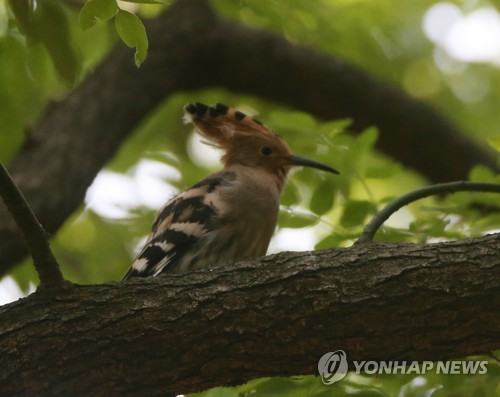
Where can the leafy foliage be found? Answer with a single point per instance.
(47, 49)
(46, 23)
(133, 34)
(363, 385)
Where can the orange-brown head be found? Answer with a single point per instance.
(245, 140)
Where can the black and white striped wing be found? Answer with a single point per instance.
(179, 228)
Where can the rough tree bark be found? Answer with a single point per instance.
(275, 316)
(190, 48)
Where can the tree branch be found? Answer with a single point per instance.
(79, 135)
(34, 235)
(272, 317)
(441, 188)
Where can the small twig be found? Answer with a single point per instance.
(34, 235)
(439, 188)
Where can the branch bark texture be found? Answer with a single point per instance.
(277, 316)
(34, 235)
(192, 48)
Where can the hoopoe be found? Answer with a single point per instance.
(230, 215)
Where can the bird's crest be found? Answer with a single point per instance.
(220, 124)
(245, 140)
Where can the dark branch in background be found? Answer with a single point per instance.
(190, 49)
(271, 317)
(411, 131)
(442, 188)
(36, 239)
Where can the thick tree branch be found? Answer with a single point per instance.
(276, 316)
(191, 48)
(36, 239)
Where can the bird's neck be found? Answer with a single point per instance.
(260, 177)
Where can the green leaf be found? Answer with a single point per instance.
(53, 27)
(38, 65)
(332, 240)
(296, 219)
(96, 10)
(323, 197)
(481, 173)
(133, 34)
(332, 128)
(368, 138)
(382, 171)
(291, 195)
(429, 227)
(355, 212)
(24, 12)
(25, 275)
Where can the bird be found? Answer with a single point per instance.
(228, 216)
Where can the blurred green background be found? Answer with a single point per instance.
(444, 53)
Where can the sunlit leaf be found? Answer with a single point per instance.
(494, 142)
(133, 34)
(96, 10)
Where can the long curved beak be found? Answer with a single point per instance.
(296, 160)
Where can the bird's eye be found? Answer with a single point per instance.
(265, 150)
